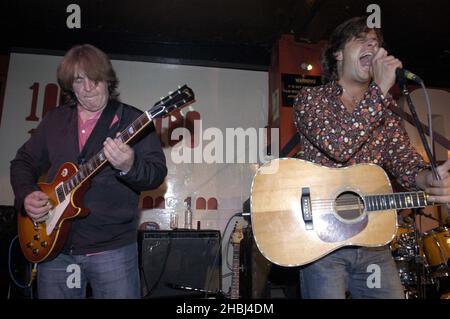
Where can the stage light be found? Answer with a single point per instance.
(306, 66)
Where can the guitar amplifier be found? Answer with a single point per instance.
(180, 263)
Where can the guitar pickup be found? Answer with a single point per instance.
(306, 208)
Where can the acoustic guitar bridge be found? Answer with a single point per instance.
(306, 208)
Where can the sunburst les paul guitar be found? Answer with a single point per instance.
(302, 211)
(44, 240)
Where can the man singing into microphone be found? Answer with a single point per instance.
(348, 121)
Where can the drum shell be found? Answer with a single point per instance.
(436, 245)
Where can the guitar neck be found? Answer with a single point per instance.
(180, 98)
(395, 201)
(89, 168)
(235, 278)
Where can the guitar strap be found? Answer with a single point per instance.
(92, 146)
(100, 132)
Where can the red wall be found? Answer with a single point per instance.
(287, 58)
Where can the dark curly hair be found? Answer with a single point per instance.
(94, 62)
(339, 37)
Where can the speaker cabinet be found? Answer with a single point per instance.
(180, 263)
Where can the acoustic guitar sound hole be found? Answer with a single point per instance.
(349, 207)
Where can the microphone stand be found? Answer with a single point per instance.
(403, 87)
(219, 294)
(422, 213)
(419, 261)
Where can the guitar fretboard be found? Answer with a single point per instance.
(164, 106)
(235, 279)
(97, 161)
(395, 201)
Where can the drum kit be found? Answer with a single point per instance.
(423, 261)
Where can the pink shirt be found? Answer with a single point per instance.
(84, 131)
(85, 128)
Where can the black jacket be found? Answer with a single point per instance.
(112, 199)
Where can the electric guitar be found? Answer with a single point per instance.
(301, 211)
(236, 242)
(44, 239)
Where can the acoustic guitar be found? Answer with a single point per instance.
(301, 211)
(44, 239)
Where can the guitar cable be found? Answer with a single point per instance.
(33, 271)
(239, 214)
(220, 251)
(161, 273)
(430, 134)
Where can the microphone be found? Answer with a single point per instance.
(405, 74)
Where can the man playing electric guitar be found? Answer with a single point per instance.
(347, 121)
(101, 247)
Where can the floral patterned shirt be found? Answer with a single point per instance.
(332, 136)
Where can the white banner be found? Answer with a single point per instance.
(229, 112)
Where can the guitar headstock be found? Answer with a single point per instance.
(178, 99)
(238, 233)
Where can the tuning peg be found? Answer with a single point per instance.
(161, 98)
(170, 92)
